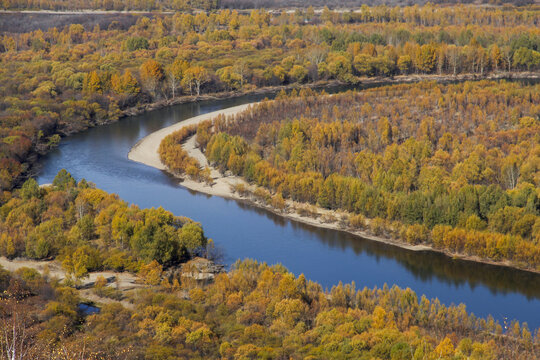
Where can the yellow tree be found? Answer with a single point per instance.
(495, 56)
(130, 85)
(404, 64)
(151, 75)
(196, 76)
(92, 83)
(229, 77)
(175, 73)
(116, 84)
(426, 58)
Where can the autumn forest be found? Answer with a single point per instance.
(416, 125)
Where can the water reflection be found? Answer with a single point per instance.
(424, 265)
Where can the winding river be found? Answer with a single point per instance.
(242, 231)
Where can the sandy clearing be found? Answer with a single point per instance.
(146, 150)
(124, 280)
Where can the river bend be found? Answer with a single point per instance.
(242, 231)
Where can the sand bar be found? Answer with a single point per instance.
(146, 150)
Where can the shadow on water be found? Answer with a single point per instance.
(424, 265)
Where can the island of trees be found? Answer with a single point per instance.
(453, 166)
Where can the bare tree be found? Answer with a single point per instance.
(17, 340)
(316, 54)
(174, 82)
(241, 68)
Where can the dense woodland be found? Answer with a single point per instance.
(88, 230)
(23, 22)
(59, 81)
(110, 5)
(347, 5)
(455, 166)
(252, 312)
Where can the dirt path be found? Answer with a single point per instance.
(85, 12)
(123, 281)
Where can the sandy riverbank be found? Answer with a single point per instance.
(146, 152)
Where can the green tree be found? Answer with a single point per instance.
(136, 43)
(30, 189)
(63, 180)
(526, 58)
(192, 236)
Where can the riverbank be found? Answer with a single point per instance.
(144, 148)
(146, 152)
(328, 84)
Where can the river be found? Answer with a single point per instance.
(241, 231)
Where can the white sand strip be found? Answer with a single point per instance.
(146, 150)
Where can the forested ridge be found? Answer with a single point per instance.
(59, 81)
(454, 166)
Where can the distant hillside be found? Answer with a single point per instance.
(208, 5)
(109, 5)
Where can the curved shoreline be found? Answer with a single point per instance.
(145, 151)
(321, 85)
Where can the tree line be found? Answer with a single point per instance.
(110, 5)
